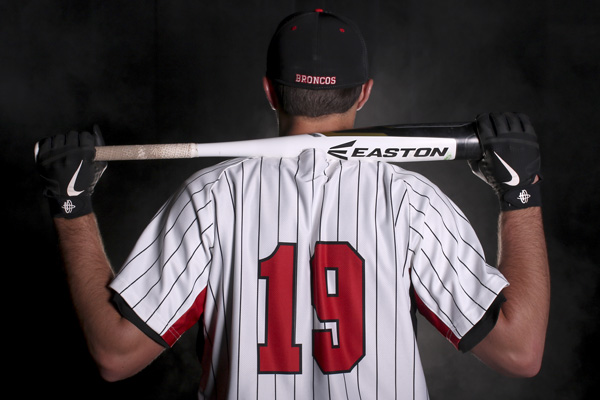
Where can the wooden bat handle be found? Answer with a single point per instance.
(146, 152)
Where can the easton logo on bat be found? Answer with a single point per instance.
(346, 150)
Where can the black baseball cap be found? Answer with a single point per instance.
(317, 50)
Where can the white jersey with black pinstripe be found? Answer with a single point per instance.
(306, 271)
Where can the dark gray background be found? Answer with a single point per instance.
(159, 71)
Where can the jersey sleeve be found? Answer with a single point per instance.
(162, 285)
(454, 287)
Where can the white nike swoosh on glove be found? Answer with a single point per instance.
(514, 177)
(71, 188)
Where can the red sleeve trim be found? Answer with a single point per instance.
(436, 322)
(186, 321)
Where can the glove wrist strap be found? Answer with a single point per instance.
(70, 207)
(522, 197)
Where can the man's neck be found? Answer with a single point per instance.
(289, 125)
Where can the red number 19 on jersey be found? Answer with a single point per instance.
(337, 278)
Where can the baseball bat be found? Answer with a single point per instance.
(392, 143)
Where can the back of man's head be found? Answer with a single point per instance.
(317, 62)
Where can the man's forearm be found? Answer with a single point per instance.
(118, 347)
(515, 346)
(88, 272)
(523, 260)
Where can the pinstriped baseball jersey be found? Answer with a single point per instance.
(306, 272)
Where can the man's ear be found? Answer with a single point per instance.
(365, 94)
(270, 93)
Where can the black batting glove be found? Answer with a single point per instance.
(67, 168)
(511, 159)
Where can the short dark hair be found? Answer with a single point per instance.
(316, 103)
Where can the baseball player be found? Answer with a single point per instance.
(307, 272)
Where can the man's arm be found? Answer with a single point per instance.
(119, 348)
(516, 344)
(69, 173)
(511, 166)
